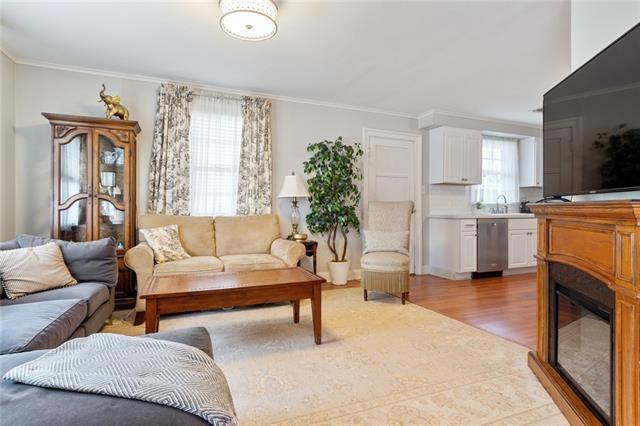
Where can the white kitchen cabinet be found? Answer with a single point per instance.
(523, 238)
(468, 252)
(455, 156)
(453, 247)
(530, 155)
(518, 248)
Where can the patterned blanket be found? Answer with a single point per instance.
(150, 370)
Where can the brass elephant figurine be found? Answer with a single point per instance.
(113, 105)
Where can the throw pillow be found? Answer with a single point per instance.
(165, 243)
(395, 241)
(89, 261)
(33, 269)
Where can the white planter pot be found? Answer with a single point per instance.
(339, 272)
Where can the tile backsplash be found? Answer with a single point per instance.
(446, 199)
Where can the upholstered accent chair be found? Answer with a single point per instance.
(385, 261)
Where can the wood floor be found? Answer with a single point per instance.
(505, 306)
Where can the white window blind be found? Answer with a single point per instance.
(499, 170)
(214, 136)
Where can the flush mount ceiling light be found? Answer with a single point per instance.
(251, 20)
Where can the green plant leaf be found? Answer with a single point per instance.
(333, 171)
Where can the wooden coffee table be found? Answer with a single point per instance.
(187, 293)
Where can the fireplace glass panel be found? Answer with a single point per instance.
(584, 350)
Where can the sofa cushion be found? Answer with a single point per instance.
(196, 232)
(246, 234)
(25, 404)
(193, 264)
(251, 262)
(87, 261)
(33, 269)
(93, 294)
(40, 325)
(385, 261)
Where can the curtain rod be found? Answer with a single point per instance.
(205, 92)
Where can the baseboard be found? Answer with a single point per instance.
(519, 271)
(354, 274)
(450, 275)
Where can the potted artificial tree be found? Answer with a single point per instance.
(333, 173)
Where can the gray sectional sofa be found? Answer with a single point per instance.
(47, 319)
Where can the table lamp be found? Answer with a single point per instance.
(294, 187)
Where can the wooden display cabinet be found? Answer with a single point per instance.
(94, 186)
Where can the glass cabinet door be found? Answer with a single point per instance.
(73, 222)
(73, 189)
(74, 176)
(111, 170)
(111, 188)
(111, 222)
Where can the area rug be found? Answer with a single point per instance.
(380, 363)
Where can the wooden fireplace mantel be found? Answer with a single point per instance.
(602, 239)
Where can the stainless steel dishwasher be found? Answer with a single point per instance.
(492, 245)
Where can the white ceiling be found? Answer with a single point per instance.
(493, 59)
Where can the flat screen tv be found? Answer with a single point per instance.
(592, 124)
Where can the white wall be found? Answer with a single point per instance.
(596, 24)
(294, 126)
(46, 90)
(7, 148)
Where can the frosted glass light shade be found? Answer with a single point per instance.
(251, 20)
(293, 187)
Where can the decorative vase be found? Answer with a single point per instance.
(339, 272)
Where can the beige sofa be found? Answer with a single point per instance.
(226, 243)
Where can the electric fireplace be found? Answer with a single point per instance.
(581, 335)
(588, 310)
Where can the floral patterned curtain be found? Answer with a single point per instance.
(169, 169)
(254, 180)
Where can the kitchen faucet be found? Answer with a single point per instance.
(503, 209)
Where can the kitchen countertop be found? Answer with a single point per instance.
(482, 216)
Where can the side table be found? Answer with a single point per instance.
(311, 251)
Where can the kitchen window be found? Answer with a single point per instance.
(499, 170)
(214, 136)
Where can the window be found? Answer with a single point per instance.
(214, 136)
(499, 170)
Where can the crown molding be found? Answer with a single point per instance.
(207, 87)
(432, 112)
(8, 54)
(226, 90)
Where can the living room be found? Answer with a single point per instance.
(331, 209)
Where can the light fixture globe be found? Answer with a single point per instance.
(251, 20)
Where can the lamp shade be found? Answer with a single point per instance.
(293, 186)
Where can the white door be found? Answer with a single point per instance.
(454, 153)
(473, 158)
(532, 242)
(518, 249)
(393, 172)
(468, 252)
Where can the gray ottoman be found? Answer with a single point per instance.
(32, 405)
